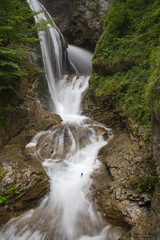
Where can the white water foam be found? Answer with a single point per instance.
(81, 59)
(66, 212)
(69, 96)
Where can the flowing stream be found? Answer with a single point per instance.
(69, 153)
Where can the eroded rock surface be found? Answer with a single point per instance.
(79, 20)
(115, 196)
(116, 190)
(23, 179)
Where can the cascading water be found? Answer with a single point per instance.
(69, 155)
(51, 47)
(80, 59)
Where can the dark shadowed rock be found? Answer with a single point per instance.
(79, 20)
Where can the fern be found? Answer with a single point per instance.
(18, 36)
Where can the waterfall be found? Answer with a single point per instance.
(80, 59)
(69, 155)
(51, 47)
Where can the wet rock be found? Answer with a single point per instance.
(151, 229)
(85, 25)
(113, 193)
(23, 180)
(80, 20)
(123, 169)
(70, 135)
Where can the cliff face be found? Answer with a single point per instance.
(125, 88)
(123, 96)
(79, 20)
(122, 187)
(60, 10)
(23, 180)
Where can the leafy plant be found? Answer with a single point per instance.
(18, 36)
(153, 89)
(144, 178)
(126, 59)
(143, 184)
(2, 199)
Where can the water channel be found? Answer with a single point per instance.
(69, 152)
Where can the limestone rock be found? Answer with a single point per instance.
(23, 180)
(80, 20)
(123, 165)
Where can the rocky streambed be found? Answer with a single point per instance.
(123, 187)
(115, 188)
(23, 181)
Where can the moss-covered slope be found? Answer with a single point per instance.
(127, 59)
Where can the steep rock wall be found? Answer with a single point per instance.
(116, 189)
(79, 20)
(23, 180)
(124, 95)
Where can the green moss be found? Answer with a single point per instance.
(126, 60)
(143, 184)
(40, 172)
(43, 86)
(144, 178)
(9, 191)
(127, 90)
(93, 5)
(153, 88)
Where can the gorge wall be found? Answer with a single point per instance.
(120, 97)
(79, 20)
(124, 87)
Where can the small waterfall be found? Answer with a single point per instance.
(51, 47)
(80, 59)
(54, 54)
(69, 96)
(69, 155)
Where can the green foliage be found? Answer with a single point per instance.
(144, 183)
(17, 37)
(15, 25)
(125, 89)
(153, 89)
(144, 178)
(148, 135)
(2, 199)
(9, 191)
(93, 5)
(126, 59)
(116, 20)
